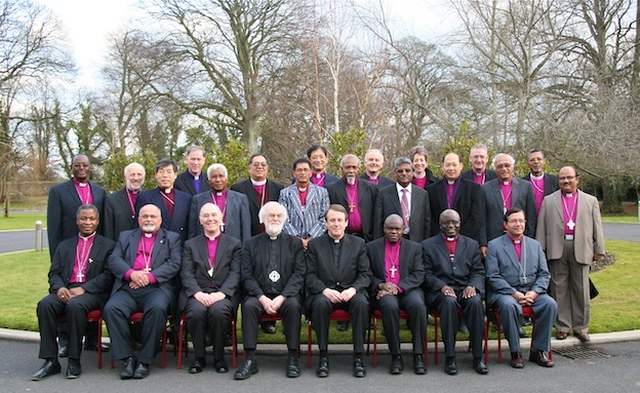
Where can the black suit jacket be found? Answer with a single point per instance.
(467, 268)
(117, 216)
(183, 183)
(354, 270)
(98, 279)
(467, 201)
(246, 187)
(62, 206)
(382, 181)
(551, 184)
(388, 202)
(255, 264)
(236, 215)
(195, 264)
(489, 175)
(411, 265)
(179, 221)
(367, 193)
(431, 178)
(165, 259)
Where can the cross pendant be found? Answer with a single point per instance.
(351, 208)
(222, 227)
(146, 270)
(80, 277)
(571, 225)
(393, 271)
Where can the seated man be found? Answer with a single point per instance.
(338, 276)
(454, 278)
(144, 262)
(78, 283)
(397, 274)
(518, 276)
(272, 272)
(210, 276)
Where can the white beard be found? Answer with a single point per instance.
(273, 229)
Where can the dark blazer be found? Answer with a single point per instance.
(367, 193)
(246, 187)
(117, 216)
(328, 178)
(489, 175)
(431, 178)
(467, 268)
(184, 183)
(521, 196)
(467, 201)
(165, 258)
(354, 270)
(382, 181)
(62, 206)
(255, 264)
(179, 222)
(195, 264)
(551, 184)
(237, 221)
(411, 266)
(98, 280)
(388, 202)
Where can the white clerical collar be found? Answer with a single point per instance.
(537, 177)
(451, 182)
(506, 183)
(568, 194)
(133, 191)
(259, 182)
(302, 189)
(422, 176)
(148, 235)
(479, 173)
(85, 238)
(450, 239)
(212, 238)
(372, 177)
(219, 193)
(83, 184)
(273, 237)
(167, 190)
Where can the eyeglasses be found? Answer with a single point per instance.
(404, 170)
(566, 178)
(259, 164)
(506, 166)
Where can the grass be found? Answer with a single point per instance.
(615, 309)
(22, 221)
(620, 219)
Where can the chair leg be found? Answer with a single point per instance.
(180, 343)
(164, 348)
(99, 335)
(499, 329)
(435, 338)
(308, 344)
(234, 344)
(486, 341)
(375, 342)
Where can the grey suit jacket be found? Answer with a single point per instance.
(504, 274)
(236, 212)
(246, 187)
(388, 202)
(588, 237)
(310, 220)
(117, 216)
(411, 266)
(521, 196)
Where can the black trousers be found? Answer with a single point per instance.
(412, 303)
(213, 319)
(291, 311)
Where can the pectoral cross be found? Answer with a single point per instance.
(147, 270)
(222, 227)
(571, 224)
(351, 208)
(80, 277)
(393, 271)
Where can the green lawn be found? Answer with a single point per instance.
(21, 221)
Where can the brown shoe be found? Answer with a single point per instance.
(561, 336)
(583, 337)
(541, 358)
(516, 360)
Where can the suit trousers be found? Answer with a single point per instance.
(50, 308)
(545, 310)
(449, 308)
(570, 287)
(154, 305)
(320, 307)
(213, 319)
(291, 311)
(412, 303)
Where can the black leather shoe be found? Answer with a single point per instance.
(343, 326)
(396, 365)
(323, 367)
(293, 369)
(48, 368)
(94, 347)
(197, 365)
(220, 365)
(249, 368)
(522, 333)
(450, 366)
(480, 366)
(268, 327)
(541, 358)
(129, 368)
(73, 369)
(516, 360)
(63, 351)
(418, 365)
(142, 371)
(358, 368)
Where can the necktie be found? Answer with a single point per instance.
(405, 208)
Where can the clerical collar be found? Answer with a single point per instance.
(168, 190)
(302, 189)
(568, 194)
(259, 182)
(77, 182)
(133, 191)
(506, 183)
(451, 182)
(273, 237)
(537, 177)
(219, 193)
(478, 173)
(149, 234)
(319, 175)
(451, 239)
(514, 240)
(337, 241)
(372, 177)
(85, 238)
(420, 176)
(212, 238)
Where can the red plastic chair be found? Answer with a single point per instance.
(182, 341)
(336, 315)
(93, 316)
(436, 317)
(527, 312)
(136, 317)
(377, 314)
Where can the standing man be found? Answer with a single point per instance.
(193, 181)
(357, 196)
(397, 275)
(173, 204)
(373, 164)
(405, 199)
(305, 203)
(542, 183)
(234, 206)
(570, 231)
(478, 158)
(210, 276)
(462, 195)
(120, 206)
(78, 283)
(273, 269)
(422, 175)
(319, 158)
(338, 276)
(454, 282)
(144, 263)
(518, 276)
(502, 194)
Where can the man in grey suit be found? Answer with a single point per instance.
(210, 277)
(502, 194)
(405, 199)
(542, 183)
(518, 276)
(144, 262)
(306, 204)
(570, 231)
(338, 276)
(120, 206)
(234, 206)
